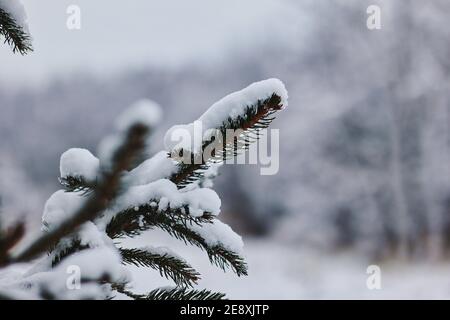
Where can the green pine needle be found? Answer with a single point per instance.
(14, 34)
(168, 266)
(177, 226)
(255, 118)
(174, 294)
(132, 222)
(77, 184)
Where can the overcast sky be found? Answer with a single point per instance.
(118, 35)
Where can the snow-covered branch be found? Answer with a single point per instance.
(14, 27)
(207, 140)
(110, 197)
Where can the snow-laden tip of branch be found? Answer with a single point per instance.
(16, 9)
(14, 27)
(78, 162)
(228, 109)
(236, 103)
(198, 201)
(218, 233)
(146, 112)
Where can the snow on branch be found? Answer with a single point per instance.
(107, 189)
(73, 239)
(166, 195)
(219, 234)
(53, 285)
(113, 196)
(14, 27)
(157, 167)
(236, 105)
(79, 170)
(134, 221)
(191, 230)
(160, 202)
(196, 145)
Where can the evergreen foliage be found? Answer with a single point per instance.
(103, 214)
(14, 35)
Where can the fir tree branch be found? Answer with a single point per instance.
(179, 229)
(132, 222)
(218, 255)
(168, 266)
(256, 118)
(107, 189)
(77, 184)
(59, 256)
(14, 35)
(9, 239)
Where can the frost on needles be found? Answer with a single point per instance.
(109, 197)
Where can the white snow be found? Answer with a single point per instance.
(60, 206)
(166, 193)
(16, 9)
(92, 264)
(219, 233)
(79, 162)
(91, 236)
(235, 104)
(157, 167)
(231, 106)
(162, 251)
(143, 111)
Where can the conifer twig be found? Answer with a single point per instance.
(14, 35)
(256, 118)
(167, 265)
(133, 222)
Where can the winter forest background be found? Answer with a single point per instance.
(364, 148)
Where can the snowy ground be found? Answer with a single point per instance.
(278, 271)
